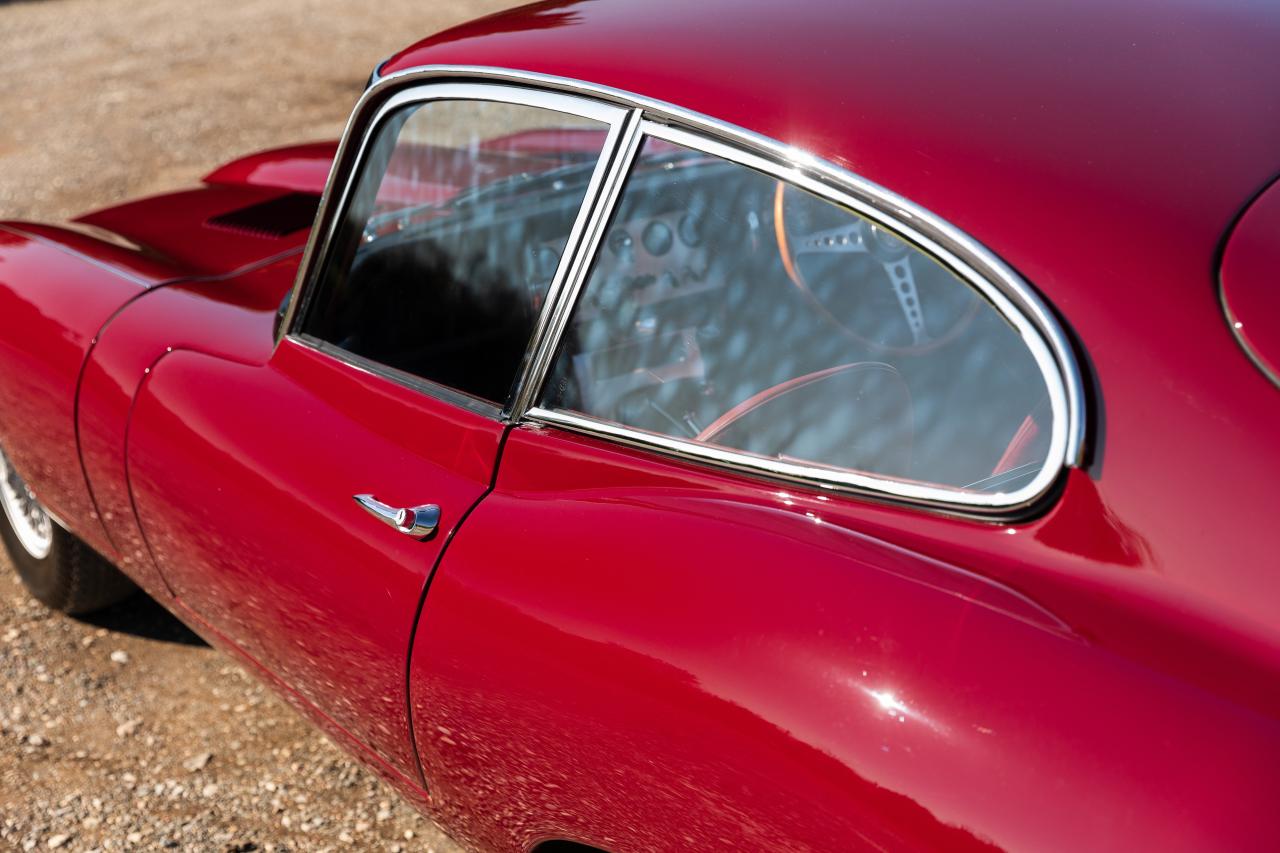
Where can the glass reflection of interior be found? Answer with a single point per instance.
(728, 308)
(452, 237)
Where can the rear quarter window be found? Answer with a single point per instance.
(730, 311)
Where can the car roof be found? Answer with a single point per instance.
(1046, 131)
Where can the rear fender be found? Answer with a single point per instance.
(298, 168)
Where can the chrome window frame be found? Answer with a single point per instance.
(636, 117)
(366, 123)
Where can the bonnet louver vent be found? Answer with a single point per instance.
(276, 218)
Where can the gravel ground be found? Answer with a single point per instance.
(124, 731)
(105, 100)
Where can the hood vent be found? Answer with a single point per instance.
(272, 219)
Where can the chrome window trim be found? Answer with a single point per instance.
(1031, 338)
(352, 151)
(577, 259)
(361, 364)
(972, 261)
(812, 476)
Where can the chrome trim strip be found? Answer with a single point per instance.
(812, 476)
(1012, 296)
(571, 275)
(361, 364)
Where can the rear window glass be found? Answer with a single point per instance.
(729, 309)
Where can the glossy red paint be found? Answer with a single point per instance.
(1249, 292)
(676, 654)
(245, 496)
(231, 317)
(300, 168)
(178, 228)
(99, 247)
(52, 303)
(640, 653)
(410, 788)
(919, 96)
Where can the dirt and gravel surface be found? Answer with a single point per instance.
(124, 731)
(104, 100)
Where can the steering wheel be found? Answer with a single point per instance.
(857, 416)
(823, 247)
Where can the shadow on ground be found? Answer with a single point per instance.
(141, 616)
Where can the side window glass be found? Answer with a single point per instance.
(730, 309)
(451, 238)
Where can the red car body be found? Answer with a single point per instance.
(631, 651)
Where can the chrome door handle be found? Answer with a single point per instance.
(417, 521)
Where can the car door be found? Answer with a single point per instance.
(298, 507)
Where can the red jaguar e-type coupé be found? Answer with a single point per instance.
(686, 426)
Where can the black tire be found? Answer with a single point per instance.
(71, 577)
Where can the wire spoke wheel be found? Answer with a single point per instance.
(31, 524)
